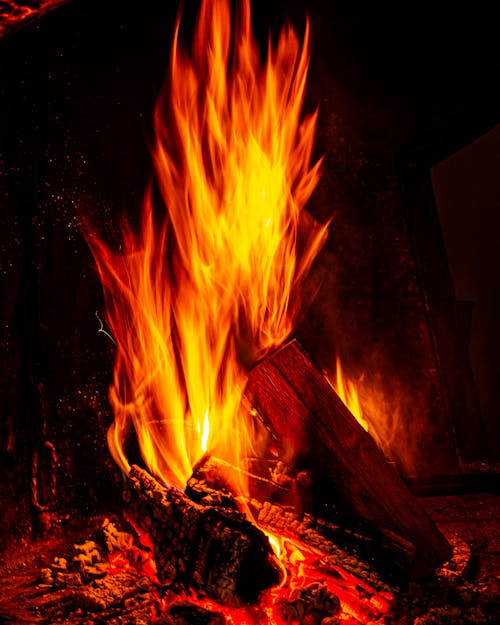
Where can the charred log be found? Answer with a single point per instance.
(302, 409)
(351, 545)
(355, 552)
(212, 550)
(214, 481)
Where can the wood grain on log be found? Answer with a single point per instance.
(306, 414)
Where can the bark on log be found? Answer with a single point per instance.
(213, 550)
(300, 406)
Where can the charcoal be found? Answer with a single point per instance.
(200, 491)
(111, 539)
(338, 544)
(213, 481)
(313, 603)
(46, 577)
(62, 580)
(59, 565)
(87, 555)
(185, 613)
(97, 571)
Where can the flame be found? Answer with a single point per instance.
(369, 404)
(348, 393)
(206, 432)
(204, 287)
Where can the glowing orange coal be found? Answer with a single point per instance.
(205, 286)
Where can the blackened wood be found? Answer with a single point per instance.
(214, 480)
(304, 411)
(185, 613)
(210, 549)
(283, 511)
(351, 549)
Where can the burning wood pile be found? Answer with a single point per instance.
(253, 494)
(193, 557)
(283, 555)
(211, 554)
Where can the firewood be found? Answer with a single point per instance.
(212, 550)
(300, 406)
(349, 550)
(284, 515)
(213, 482)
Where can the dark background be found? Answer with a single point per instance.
(398, 91)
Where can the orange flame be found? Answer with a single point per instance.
(348, 393)
(369, 404)
(205, 286)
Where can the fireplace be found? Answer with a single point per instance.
(380, 325)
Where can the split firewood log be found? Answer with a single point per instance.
(306, 415)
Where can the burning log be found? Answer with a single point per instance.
(212, 550)
(280, 510)
(213, 481)
(302, 409)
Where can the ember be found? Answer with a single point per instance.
(315, 587)
(323, 586)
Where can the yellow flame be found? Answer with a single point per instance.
(377, 413)
(205, 285)
(275, 542)
(348, 393)
(206, 432)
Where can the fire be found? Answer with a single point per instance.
(205, 286)
(370, 405)
(348, 393)
(358, 601)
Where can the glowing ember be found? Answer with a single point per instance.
(313, 590)
(206, 285)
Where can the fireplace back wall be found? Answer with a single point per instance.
(78, 89)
